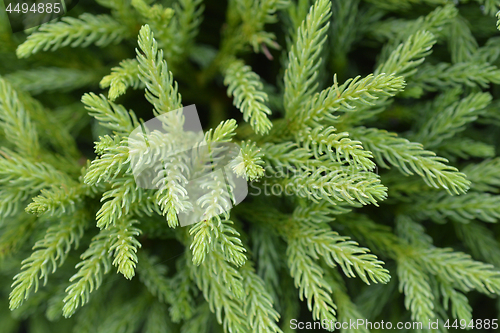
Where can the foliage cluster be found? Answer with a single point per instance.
(380, 118)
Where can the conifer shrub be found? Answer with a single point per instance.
(367, 133)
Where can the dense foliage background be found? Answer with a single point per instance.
(381, 116)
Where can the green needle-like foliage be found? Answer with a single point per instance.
(366, 132)
(50, 253)
(122, 77)
(304, 58)
(245, 86)
(410, 158)
(418, 293)
(88, 29)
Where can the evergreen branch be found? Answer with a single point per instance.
(412, 232)
(108, 165)
(247, 90)
(200, 322)
(484, 176)
(27, 176)
(163, 24)
(231, 246)
(402, 61)
(188, 15)
(464, 208)
(124, 247)
(214, 234)
(304, 58)
(338, 146)
(267, 258)
(309, 279)
(490, 7)
(410, 157)
(444, 124)
(49, 129)
(379, 238)
(16, 121)
(148, 150)
(88, 317)
(105, 142)
(57, 201)
(351, 96)
(96, 261)
(156, 13)
(182, 292)
(122, 77)
(345, 28)
(262, 317)
(322, 212)
(490, 115)
(126, 317)
(50, 252)
(461, 42)
(124, 192)
(397, 30)
(174, 27)
(156, 321)
(322, 184)
(444, 76)
(255, 14)
(15, 231)
(153, 275)
(498, 21)
(286, 156)
(321, 241)
(459, 269)
(100, 30)
(42, 79)
(223, 291)
(222, 133)
(489, 52)
(418, 293)
(348, 311)
(161, 89)
(249, 162)
(110, 115)
(171, 196)
(297, 14)
(480, 241)
(465, 148)
(408, 55)
(171, 179)
(460, 308)
(227, 275)
(10, 200)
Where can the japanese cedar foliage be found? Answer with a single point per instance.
(380, 115)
